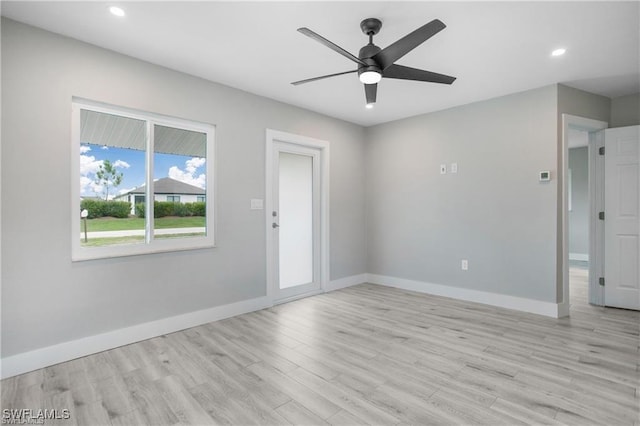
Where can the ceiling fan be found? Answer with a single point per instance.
(375, 63)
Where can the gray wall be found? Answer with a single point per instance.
(579, 214)
(47, 299)
(625, 111)
(583, 104)
(493, 212)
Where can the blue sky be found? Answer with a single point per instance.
(130, 162)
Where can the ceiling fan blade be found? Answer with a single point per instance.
(387, 56)
(309, 80)
(407, 73)
(330, 45)
(370, 91)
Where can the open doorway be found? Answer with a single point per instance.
(582, 198)
(578, 215)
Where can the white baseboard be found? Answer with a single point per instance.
(44, 357)
(583, 257)
(346, 282)
(62, 352)
(563, 310)
(548, 309)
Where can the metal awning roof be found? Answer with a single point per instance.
(100, 128)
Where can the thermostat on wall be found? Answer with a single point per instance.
(545, 176)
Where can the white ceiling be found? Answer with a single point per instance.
(494, 48)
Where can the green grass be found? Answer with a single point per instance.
(113, 224)
(132, 239)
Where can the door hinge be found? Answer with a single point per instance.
(601, 281)
(601, 150)
(601, 215)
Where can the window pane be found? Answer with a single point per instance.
(179, 163)
(112, 176)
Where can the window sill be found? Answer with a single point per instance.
(81, 254)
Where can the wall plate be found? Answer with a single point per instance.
(257, 204)
(545, 176)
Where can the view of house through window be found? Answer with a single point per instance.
(118, 178)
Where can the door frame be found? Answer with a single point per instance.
(596, 174)
(273, 136)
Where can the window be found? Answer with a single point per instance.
(124, 163)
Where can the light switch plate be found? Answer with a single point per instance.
(464, 264)
(257, 204)
(443, 169)
(454, 168)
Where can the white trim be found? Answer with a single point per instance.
(569, 190)
(563, 310)
(596, 226)
(582, 257)
(44, 357)
(539, 307)
(62, 352)
(345, 282)
(297, 296)
(589, 125)
(271, 137)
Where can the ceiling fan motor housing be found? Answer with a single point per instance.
(365, 55)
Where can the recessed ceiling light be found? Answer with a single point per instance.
(558, 52)
(116, 11)
(369, 106)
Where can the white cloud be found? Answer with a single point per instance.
(104, 147)
(124, 191)
(84, 149)
(89, 164)
(189, 175)
(121, 164)
(194, 163)
(89, 187)
(84, 184)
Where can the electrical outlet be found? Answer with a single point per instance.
(454, 168)
(443, 169)
(464, 265)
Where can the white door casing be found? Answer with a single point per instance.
(596, 226)
(622, 217)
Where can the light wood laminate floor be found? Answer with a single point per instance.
(363, 355)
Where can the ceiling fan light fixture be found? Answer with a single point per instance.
(369, 106)
(370, 77)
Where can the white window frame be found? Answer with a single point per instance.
(150, 245)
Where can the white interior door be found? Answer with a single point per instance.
(296, 220)
(622, 218)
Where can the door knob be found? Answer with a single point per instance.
(275, 225)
